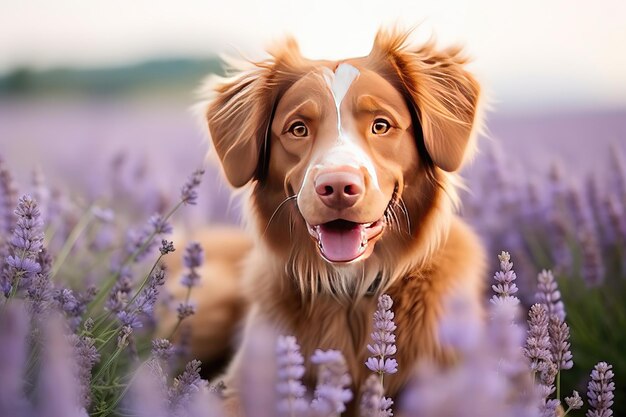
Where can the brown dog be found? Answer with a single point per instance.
(351, 172)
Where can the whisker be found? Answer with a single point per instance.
(291, 197)
(397, 220)
(405, 211)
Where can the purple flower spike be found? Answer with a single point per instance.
(559, 336)
(600, 391)
(148, 296)
(290, 371)
(159, 225)
(574, 402)
(384, 339)
(25, 245)
(331, 392)
(549, 295)
(193, 259)
(538, 346)
(373, 403)
(166, 247)
(129, 319)
(87, 356)
(505, 287)
(162, 349)
(185, 386)
(188, 193)
(185, 310)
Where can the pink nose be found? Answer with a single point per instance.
(339, 188)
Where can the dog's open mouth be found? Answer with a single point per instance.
(345, 241)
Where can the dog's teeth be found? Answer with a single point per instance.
(363, 239)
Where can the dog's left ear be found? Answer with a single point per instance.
(239, 110)
(444, 94)
(236, 117)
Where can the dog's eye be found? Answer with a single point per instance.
(299, 130)
(380, 127)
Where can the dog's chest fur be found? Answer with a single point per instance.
(419, 301)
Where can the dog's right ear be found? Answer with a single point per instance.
(237, 118)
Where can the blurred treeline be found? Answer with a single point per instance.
(154, 77)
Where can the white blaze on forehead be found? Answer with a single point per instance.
(339, 82)
(347, 152)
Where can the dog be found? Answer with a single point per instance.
(351, 169)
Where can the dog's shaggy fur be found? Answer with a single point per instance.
(404, 129)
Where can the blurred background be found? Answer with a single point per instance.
(95, 101)
(82, 82)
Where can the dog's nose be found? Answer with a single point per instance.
(339, 188)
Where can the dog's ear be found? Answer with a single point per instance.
(240, 111)
(237, 119)
(444, 94)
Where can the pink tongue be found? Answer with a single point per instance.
(341, 245)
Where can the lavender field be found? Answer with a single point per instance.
(106, 181)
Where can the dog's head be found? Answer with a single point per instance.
(359, 145)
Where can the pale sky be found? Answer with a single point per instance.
(527, 53)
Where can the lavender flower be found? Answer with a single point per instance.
(548, 372)
(39, 294)
(166, 247)
(185, 385)
(600, 391)
(538, 345)
(331, 392)
(507, 336)
(162, 349)
(373, 402)
(65, 299)
(384, 339)
(505, 288)
(159, 225)
(490, 377)
(25, 245)
(559, 337)
(188, 193)
(118, 297)
(87, 357)
(193, 259)
(185, 310)
(289, 386)
(549, 408)
(147, 298)
(124, 336)
(549, 295)
(73, 306)
(129, 319)
(140, 242)
(574, 402)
